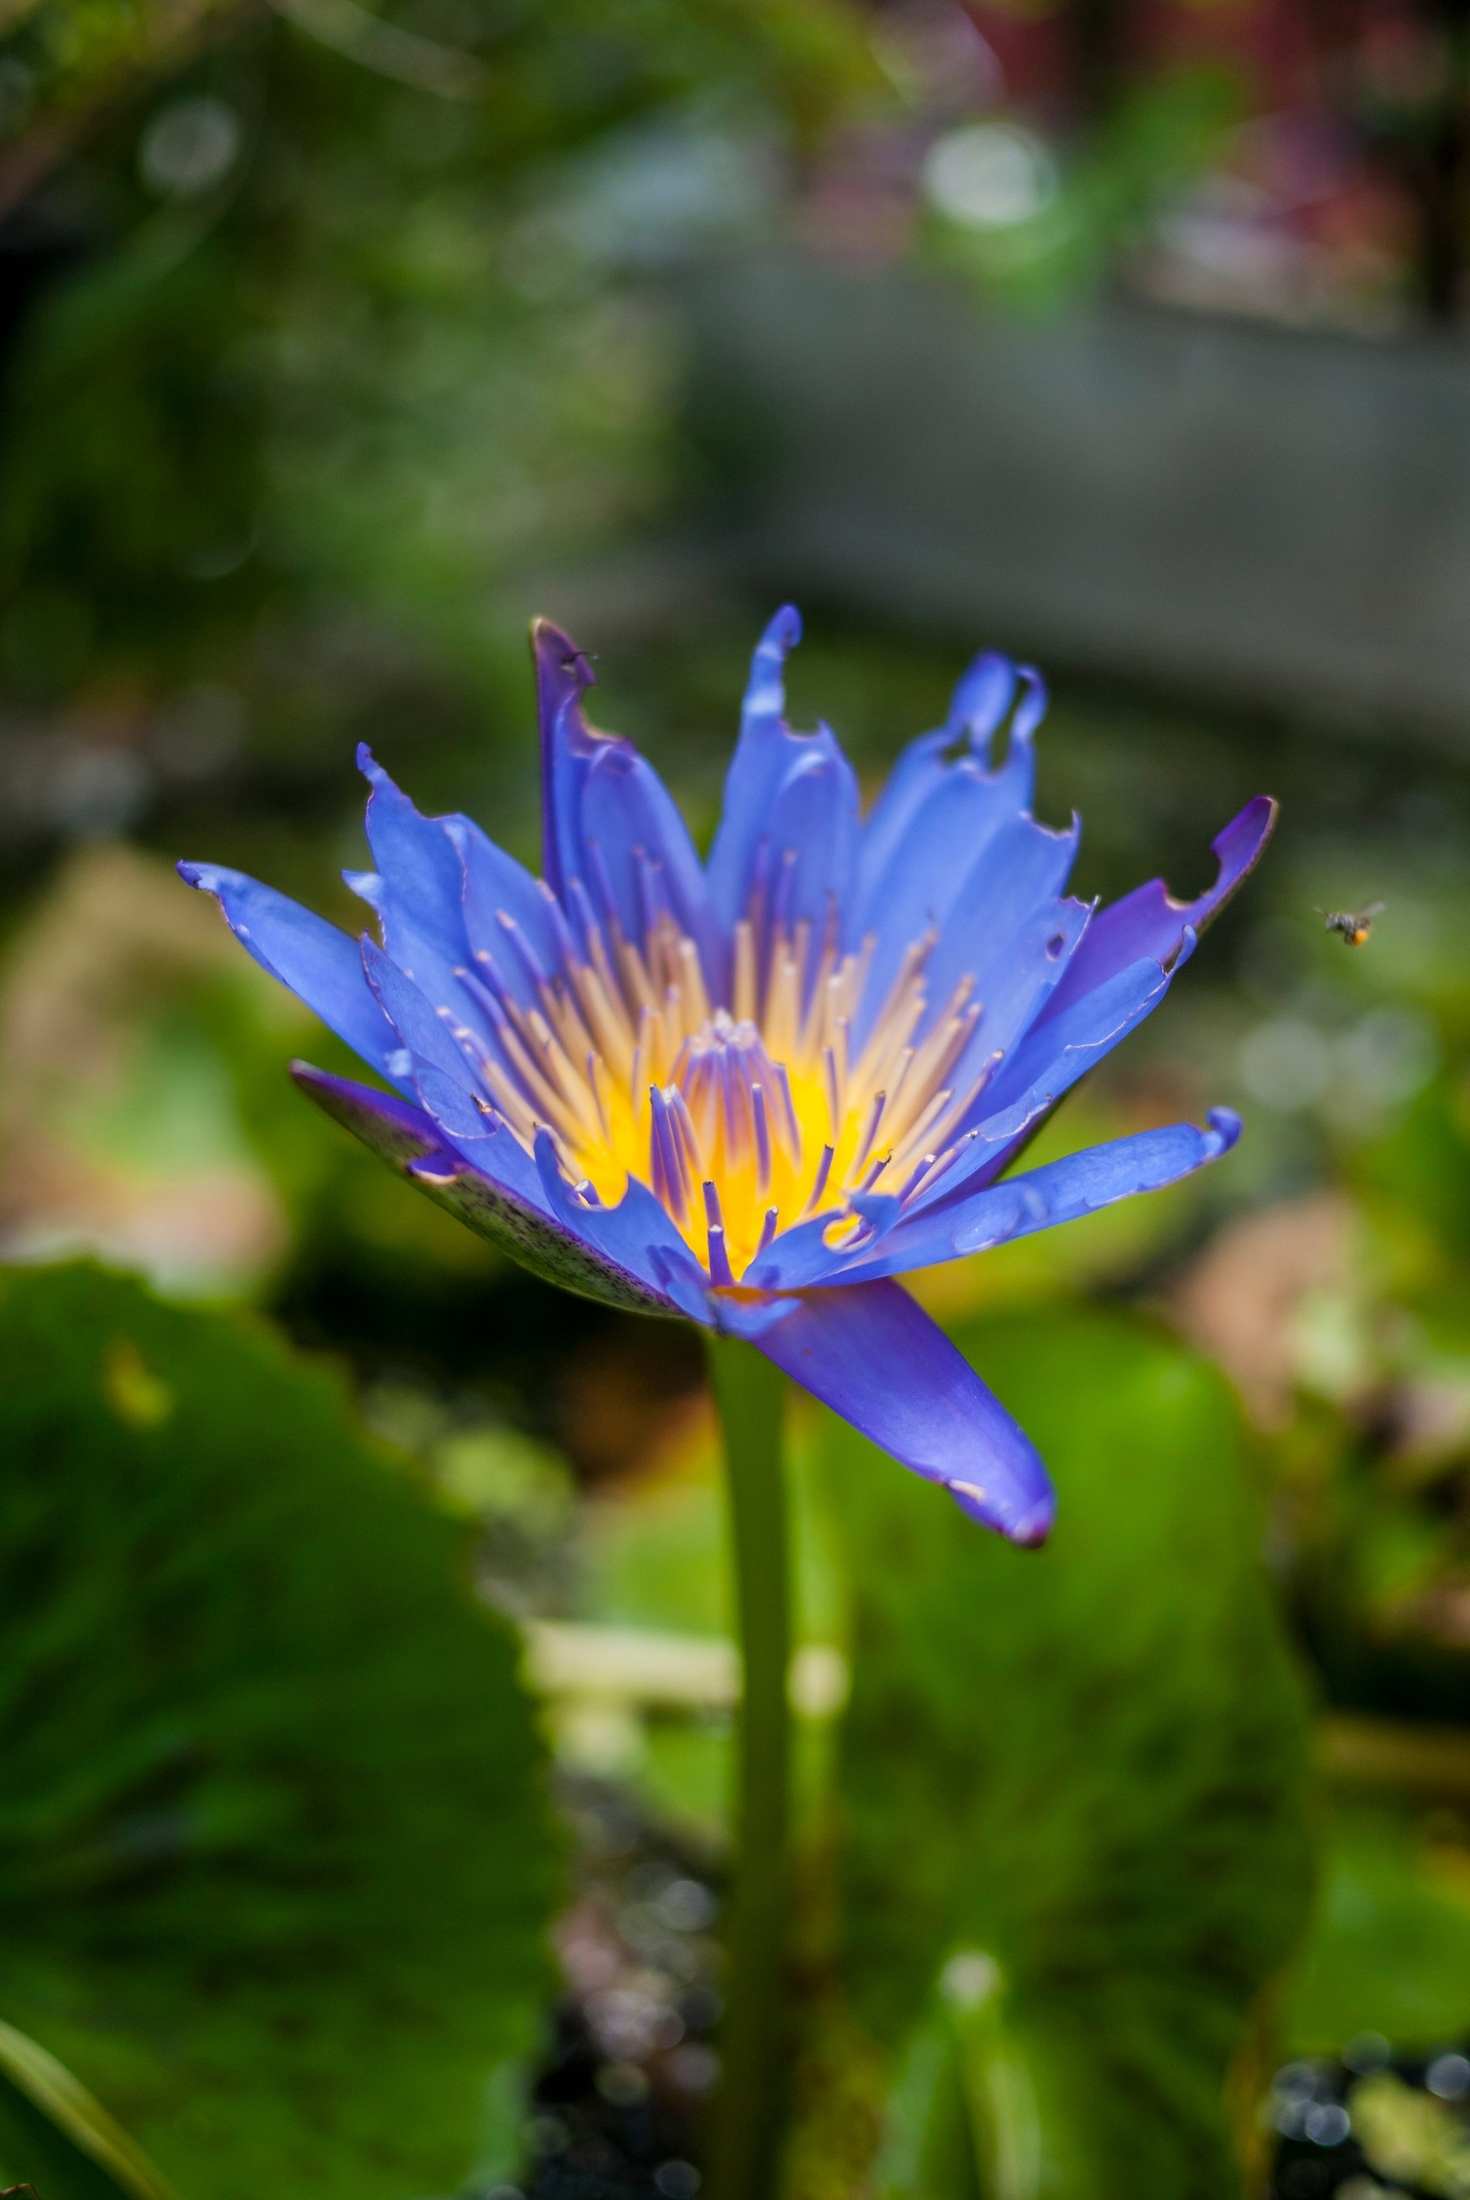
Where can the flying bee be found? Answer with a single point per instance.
(1353, 927)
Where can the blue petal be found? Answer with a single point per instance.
(420, 891)
(609, 821)
(562, 676)
(798, 1258)
(789, 828)
(318, 963)
(1014, 982)
(443, 1058)
(495, 1192)
(1068, 1041)
(995, 927)
(801, 1257)
(1149, 922)
(647, 858)
(687, 1284)
(1009, 908)
(410, 1139)
(635, 1239)
(1014, 977)
(969, 863)
(927, 766)
(749, 1317)
(868, 1351)
(1054, 1055)
(502, 902)
(437, 1064)
(1061, 1191)
(367, 886)
(397, 1132)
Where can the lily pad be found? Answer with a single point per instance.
(275, 1862)
(1071, 1786)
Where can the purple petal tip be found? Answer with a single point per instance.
(1029, 1528)
(1227, 1127)
(1239, 846)
(983, 694)
(1032, 1531)
(560, 665)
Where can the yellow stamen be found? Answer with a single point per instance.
(743, 1119)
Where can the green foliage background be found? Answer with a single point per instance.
(337, 341)
(1086, 1775)
(273, 1815)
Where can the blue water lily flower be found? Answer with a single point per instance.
(754, 1091)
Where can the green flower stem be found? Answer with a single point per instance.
(750, 2111)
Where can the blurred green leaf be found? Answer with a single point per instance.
(657, 1550)
(1414, 1180)
(274, 1855)
(1389, 1948)
(61, 2133)
(963, 2112)
(364, 348)
(656, 1556)
(1072, 1784)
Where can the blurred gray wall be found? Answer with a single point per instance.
(1274, 518)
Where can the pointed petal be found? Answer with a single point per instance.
(498, 893)
(971, 868)
(868, 1351)
(809, 844)
(647, 858)
(563, 675)
(1061, 1191)
(420, 891)
(608, 818)
(1149, 922)
(1055, 1055)
(420, 882)
(310, 957)
(789, 827)
(763, 752)
(975, 916)
(927, 766)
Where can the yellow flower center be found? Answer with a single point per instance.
(743, 1117)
